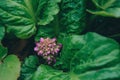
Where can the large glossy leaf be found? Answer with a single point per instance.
(21, 16)
(18, 17)
(110, 8)
(10, 68)
(3, 52)
(47, 73)
(92, 45)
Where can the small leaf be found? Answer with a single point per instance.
(10, 68)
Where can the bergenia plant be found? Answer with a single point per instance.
(48, 49)
(63, 37)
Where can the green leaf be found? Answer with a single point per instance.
(21, 17)
(47, 73)
(97, 57)
(92, 45)
(2, 31)
(47, 10)
(103, 3)
(109, 8)
(44, 31)
(71, 19)
(29, 66)
(73, 16)
(112, 73)
(88, 52)
(3, 52)
(10, 68)
(71, 44)
(18, 17)
(50, 30)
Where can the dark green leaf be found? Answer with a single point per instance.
(29, 67)
(47, 73)
(71, 45)
(44, 31)
(73, 16)
(46, 11)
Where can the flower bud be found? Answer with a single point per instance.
(48, 49)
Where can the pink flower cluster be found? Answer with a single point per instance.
(48, 49)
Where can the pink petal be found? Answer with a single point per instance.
(57, 50)
(41, 39)
(40, 52)
(54, 39)
(36, 49)
(54, 44)
(50, 45)
(48, 52)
